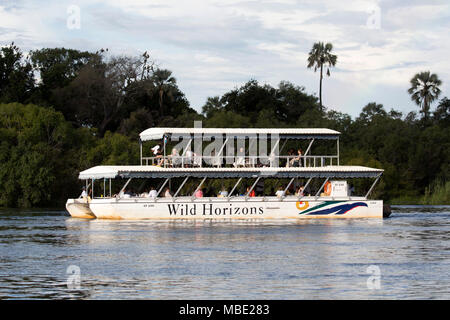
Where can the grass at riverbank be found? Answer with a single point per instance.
(438, 193)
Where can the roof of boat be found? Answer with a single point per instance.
(157, 133)
(100, 172)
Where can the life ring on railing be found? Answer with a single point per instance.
(327, 188)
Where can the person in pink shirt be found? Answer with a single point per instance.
(199, 193)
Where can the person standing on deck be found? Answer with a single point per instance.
(83, 193)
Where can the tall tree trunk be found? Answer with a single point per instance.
(161, 93)
(320, 87)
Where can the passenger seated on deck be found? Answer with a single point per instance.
(167, 193)
(290, 157)
(280, 192)
(251, 194)
(299, 191)
(198, 193)
(126, 194)
(143, 195)
(223, 193)
(297, 161)
(175, 158)
(152, 193)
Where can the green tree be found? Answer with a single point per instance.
(442, 114)
(16, 75)
(164, 85)
(57, 67)
(424, 90)
(320, 56)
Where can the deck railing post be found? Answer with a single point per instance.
(323, 184)
(373, 185)
(308, 149)
(181, 186)
(126, 184)
(284, 192)
(198, 188)
(253, 186)
(304, 189)
(160, 189)
(232, 190)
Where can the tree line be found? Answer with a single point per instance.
(64, 110)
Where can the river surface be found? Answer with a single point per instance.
(48, 255)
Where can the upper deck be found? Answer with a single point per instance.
(237, 147)
(284, 133)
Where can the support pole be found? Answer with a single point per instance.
(307, 151)
(272, 151)
(140, 149)
(304, 189)
(323, 184)
(373, 185)
(284, 192)
(188, 146)
(254, 184)
(198, 188)
(338, 151)
(181, 186)
(232, 190)
(160, 189)
(123, 188)
(221, 151)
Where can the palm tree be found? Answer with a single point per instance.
(319, 56)
(164, 83)
(424, 90)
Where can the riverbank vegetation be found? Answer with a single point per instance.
(64, 110)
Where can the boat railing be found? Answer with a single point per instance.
(174, 161)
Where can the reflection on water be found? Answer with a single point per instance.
(304, 259)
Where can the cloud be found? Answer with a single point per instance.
(214, 46)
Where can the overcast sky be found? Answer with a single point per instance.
(214, 46)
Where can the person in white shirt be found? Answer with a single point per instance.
(83, 193)
(157, 153)
(167, 193)
(189, 158)
(280, 192)
(152, 193)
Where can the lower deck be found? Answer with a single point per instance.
(234, 208)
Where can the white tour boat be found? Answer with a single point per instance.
(323, 189)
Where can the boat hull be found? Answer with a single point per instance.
(79, 208)
(236, 208)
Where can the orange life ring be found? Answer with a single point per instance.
(302, 205)
(327, 188)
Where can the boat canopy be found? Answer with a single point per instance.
(285, 133)
(102, 172)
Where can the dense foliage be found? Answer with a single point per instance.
(62, 111)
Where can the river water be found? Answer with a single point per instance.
(48, 255)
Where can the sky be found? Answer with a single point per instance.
(215, 46)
